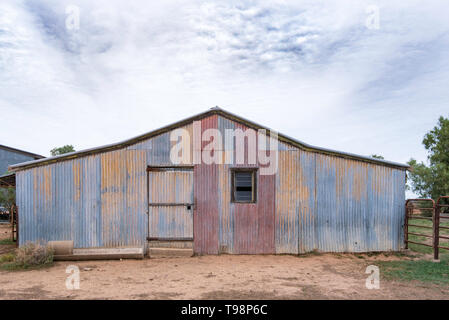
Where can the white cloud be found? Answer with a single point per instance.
(310, 69)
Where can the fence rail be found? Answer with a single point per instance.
(434, 208)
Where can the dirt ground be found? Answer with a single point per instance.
(324, 276)
(5, 233)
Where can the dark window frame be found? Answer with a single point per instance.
(253, 171)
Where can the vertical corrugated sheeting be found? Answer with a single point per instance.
(225, 211)
(288, 202)
(359, 206)
(170, 187)
(206, 222)
(314, 201)
(95, 201)
(8, 158)
(254, 222)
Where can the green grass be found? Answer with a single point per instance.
(12, 266)
(422, 269)
(427, 223)
(6, 242)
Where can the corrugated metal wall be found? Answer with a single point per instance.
(314, 201)
(170, 187)
(8, 158)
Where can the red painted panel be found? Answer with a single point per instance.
(254, 223)
(205, 221)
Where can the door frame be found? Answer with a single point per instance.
(148, 204)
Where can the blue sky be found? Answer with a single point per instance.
(312, 70)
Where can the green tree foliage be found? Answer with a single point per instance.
(376, 156)
(7, 197)
(65, 149)
(432, 180)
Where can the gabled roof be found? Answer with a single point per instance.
(26, 153)
(212, 111)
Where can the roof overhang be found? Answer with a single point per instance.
(218, 111)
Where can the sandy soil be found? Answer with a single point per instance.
(327, 276)
(5, 231)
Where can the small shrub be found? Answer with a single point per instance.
(32, 254)
(7, 257)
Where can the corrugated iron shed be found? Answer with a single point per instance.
(318, 199)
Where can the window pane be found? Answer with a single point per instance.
(243, 184)
(243, 179)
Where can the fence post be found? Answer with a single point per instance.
(436, 231)
(17, 226)
(11, 218)
(406, 226)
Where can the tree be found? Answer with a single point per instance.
(61, 150)
(7, 197)
(376, 156)
(432, 180)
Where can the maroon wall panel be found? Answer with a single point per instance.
(253, 227)
(254, 223)
(205, 220)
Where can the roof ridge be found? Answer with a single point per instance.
(214, 110)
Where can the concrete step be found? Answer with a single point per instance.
(170, 252)
(103, 254)
(171, 244)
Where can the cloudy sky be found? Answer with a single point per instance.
(324, 72)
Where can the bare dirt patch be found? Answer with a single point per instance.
(5, 231)
(326, 276)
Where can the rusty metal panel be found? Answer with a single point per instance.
(245, 228)
(123, 195)
(295, 202)
(206, 222)
(307, 210)
(95, 200)
(359, 206)
(170, 222)
(158, 148)
(171, 186)
(288, 202)
(225, 212)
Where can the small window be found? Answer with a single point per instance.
(244, 185)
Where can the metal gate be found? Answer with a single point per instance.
(170, 203)
(441, 217)
(416, 209)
